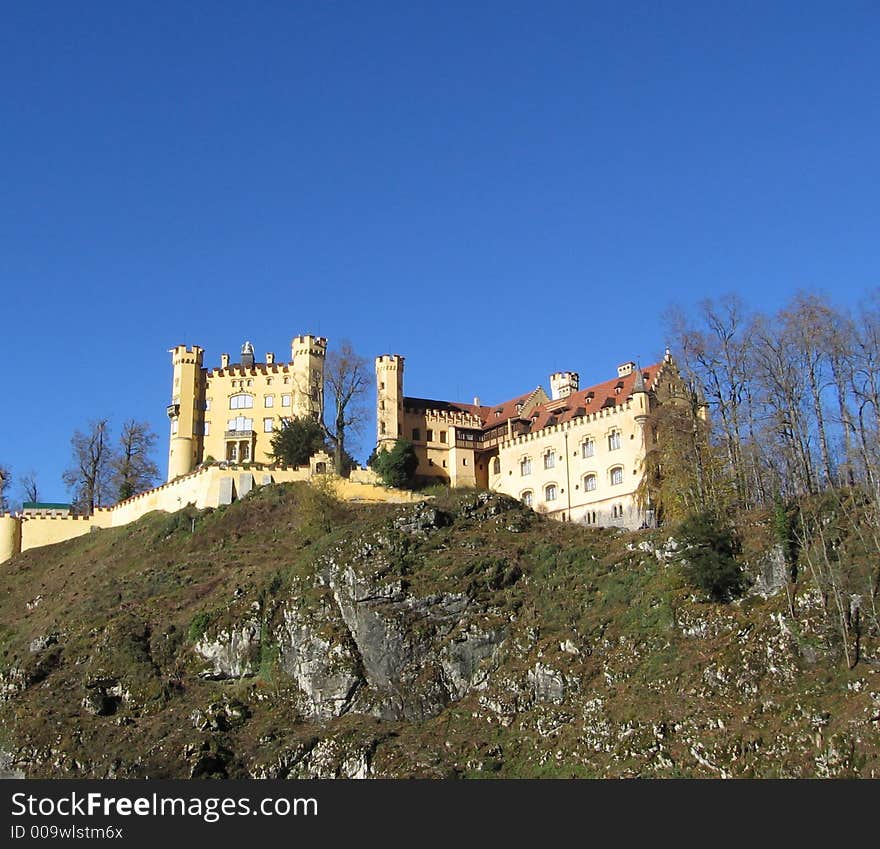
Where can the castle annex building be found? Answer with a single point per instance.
(229, 413)
(576, 455)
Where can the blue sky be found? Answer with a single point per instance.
(495, 190)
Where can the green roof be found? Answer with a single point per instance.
(45, 505)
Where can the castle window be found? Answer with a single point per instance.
(525, 466)
(267, 425)
(496, 466)
(269, 401)
(381, 427)
(206, 428)
(590, 483)
(382, 404)
(286, 380)
(417, 435)
(550, 492)
(245, 452)
(382, 387)
(207, 403)
(250, 383)
(549, 460)
(232, 452)
(588, 447)
(443, 436)
(464, 461)
(616, 475)
(614, 440)
(429, 436)
(285, 400)
(430, 462)
(241, 402)
(173, 426)
(239, 424)
(527, 498)
(268, 381)
(444, 464)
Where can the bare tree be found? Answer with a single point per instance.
(346, 379)
(5, 479)
(29, 487)
(90, 475)
(133, 469)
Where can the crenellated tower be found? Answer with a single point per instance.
(563, 384)
(183, 411)
(307, 356)
(389, 399)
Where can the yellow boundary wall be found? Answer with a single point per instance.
(209, 486)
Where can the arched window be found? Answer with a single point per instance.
(590, 483)
(550, 492)
(616, 475)
(241, 402)
(527, 498)
(588, 447)
(496, 466)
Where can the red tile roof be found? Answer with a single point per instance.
(611, 393)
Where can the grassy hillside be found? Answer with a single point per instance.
(292, 635)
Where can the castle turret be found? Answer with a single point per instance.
(389, 399)
(183, 411)
(563, 384)
(307, 355)
(247, 355)
(10, 536)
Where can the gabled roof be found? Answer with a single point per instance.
(610, 393)
(543, 412)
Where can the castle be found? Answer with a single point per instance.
(229, 413)
(576, 455)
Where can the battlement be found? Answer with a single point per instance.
(389, 360)
(182, 355)
(315, 346)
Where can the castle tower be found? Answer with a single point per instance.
(307, 356)
(183, 411)
(389, 399)
(563, 384)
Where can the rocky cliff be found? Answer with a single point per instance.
(289, 635)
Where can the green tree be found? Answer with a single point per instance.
(708, 557)
(297, 440)
(397, 466)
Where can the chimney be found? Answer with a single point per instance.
(625, 369)
(270, 358)
(224, 360)
(476, 400)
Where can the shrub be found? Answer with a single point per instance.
(296, 440)
(708, 557)
(397, 467)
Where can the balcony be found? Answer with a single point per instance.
(173, 411)
(238, 434)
